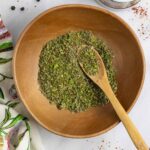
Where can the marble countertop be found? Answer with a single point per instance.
(117, 138)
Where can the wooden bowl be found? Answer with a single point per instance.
(128, 61)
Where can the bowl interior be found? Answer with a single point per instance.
(128, 62)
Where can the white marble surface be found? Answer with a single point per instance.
(117, 138)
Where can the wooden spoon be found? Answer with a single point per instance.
(101, 80)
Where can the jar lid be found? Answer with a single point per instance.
(119, 4)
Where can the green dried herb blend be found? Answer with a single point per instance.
(87, 57)
(62, 80)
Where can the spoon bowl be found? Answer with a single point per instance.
(101, 68)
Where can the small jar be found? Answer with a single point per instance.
(119, 4)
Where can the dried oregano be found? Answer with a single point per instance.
(87, 57)
(62, 80)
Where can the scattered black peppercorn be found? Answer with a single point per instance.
(13, 7)
(22, 8)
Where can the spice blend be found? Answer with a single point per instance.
(88, 59)
(62, 80)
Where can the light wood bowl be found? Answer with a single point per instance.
(128, 61)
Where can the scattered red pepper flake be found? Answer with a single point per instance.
(140, 11)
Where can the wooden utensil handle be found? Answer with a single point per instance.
(132, 130)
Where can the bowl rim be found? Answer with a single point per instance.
(87, 7)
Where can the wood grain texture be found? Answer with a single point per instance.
(101, 79)
(128, 61)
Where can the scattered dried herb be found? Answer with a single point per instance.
(62, 80)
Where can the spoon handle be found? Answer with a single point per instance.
(128, 124)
